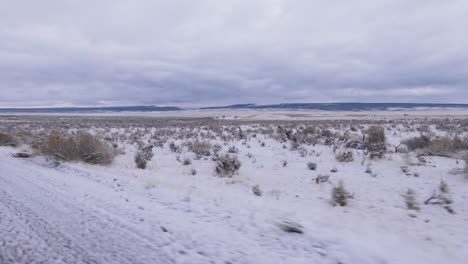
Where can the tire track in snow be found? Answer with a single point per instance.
(70, 231)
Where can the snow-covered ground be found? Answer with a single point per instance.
(81, 213)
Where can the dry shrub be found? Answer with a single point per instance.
(227, 165)
(417, 142)
(233, 150)
(82, 146)
(441, 197)
(312, 166)
(442, 145)
(140, 160)
(309, 130)
(376, 134)
(256, 190)
(290, 227)
(186, 162)
(200, 148)
(7, 140)
(174, 147)
(345, 157)
(340, 195)
(410, 200)
(147, 152)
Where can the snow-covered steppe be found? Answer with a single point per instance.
(235, 187)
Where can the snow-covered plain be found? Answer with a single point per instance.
(72, 212)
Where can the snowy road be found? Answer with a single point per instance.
(74, 214)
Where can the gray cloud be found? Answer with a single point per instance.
(222, 52)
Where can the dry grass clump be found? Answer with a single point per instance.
(442, 145)
(437, 146)
(376, 134)
(7, 140)
(82, 146)
(447, 145)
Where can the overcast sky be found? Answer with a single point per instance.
(216, 52)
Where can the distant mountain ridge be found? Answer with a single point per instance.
(341, 106)
(290, 106)
(147, 108)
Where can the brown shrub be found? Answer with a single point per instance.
(417, 142)
(7, 140)
(200, 148)
(376, 134)
(82, 146)
(442, 145)
(309, 130)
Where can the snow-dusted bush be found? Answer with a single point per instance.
(233, 150)
(441, 197)
(302, 152)
(410, 200)
(227, 165)
(312, 166)
(7, 140)
(256, 190)
(200, 148)
(140, 160)
(174, 147)
(322, 179)
(345, 156)
(147, 152)
(81, 146)
(443, 187)
(216, 148)
(376, 134)
(187, 161)
(340, 195)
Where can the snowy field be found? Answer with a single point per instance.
(235, 187)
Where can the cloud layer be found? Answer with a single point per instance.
(213, 52)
